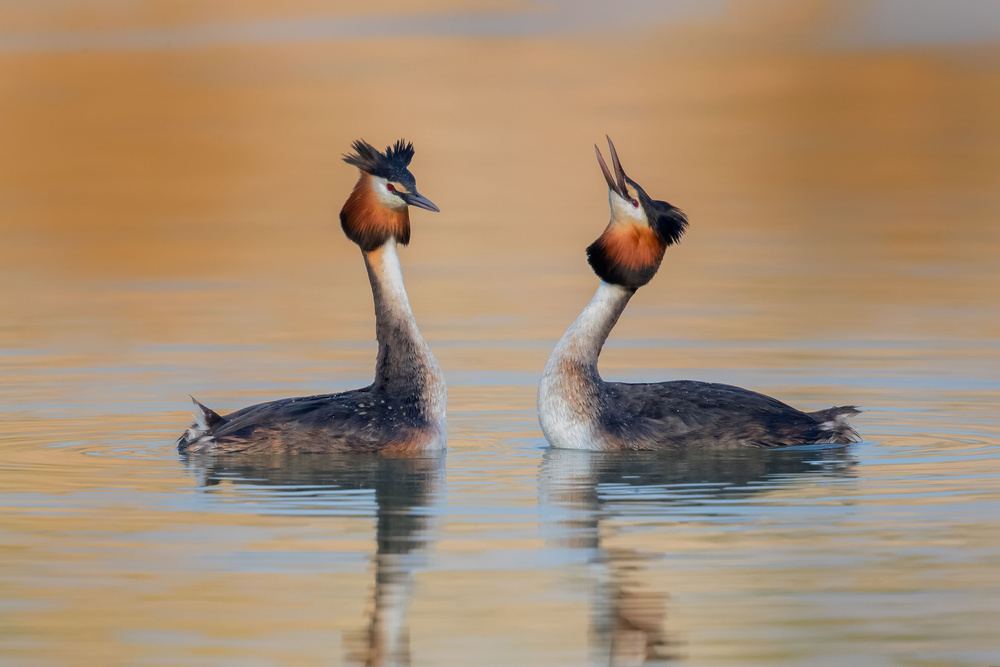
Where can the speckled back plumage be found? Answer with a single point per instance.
(402, 410)
(358, 421)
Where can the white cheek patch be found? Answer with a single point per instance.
(382, 193)
(622, 209)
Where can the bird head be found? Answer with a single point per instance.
(631, 248)
(378, 208)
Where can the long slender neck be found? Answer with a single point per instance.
(582, 342)
(401, 350)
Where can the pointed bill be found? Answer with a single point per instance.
(619, 172)
(418, 200)
(607, 173)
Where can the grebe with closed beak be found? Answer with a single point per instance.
(403, 410)
(577, 409)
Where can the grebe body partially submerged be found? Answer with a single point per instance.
(577, 409)
(403, 410)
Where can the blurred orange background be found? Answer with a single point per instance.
(160, 156)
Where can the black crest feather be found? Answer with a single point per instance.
(401, 152)
(669, 222)
(392, 164)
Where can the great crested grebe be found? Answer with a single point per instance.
(579, 410)
(403, 410)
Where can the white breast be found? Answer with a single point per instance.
(561, 421)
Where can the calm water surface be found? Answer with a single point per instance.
(169, 225)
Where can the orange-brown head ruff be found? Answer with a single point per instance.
(378, 208)
(626, 254)
(368, 221)
(630, 250)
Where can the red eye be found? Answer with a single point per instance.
(635, 203)
(390, 187)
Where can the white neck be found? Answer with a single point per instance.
(404, 360)
(583, 341)
(568, 388)
(392, 306)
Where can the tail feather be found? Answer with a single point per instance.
(834, 421)
(206, 417)
(198, 435)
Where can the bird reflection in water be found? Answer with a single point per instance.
(404, 487)
(582, 494)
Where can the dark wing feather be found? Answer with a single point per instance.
(688, 414)
(355, 421)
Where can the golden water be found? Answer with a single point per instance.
(168, 201)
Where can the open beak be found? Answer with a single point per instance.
(420, 201)
(616, 182)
